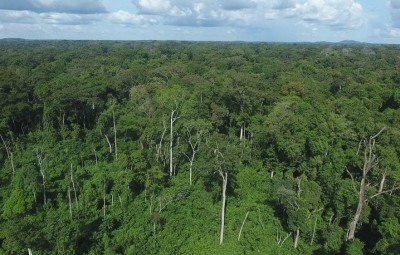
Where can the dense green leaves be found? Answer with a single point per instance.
(88, 129)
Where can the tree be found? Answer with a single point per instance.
(226, 158)
(370, 162)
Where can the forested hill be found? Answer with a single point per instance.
(199, 148)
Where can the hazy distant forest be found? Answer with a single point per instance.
(199, 148)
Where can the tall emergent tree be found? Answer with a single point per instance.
(370, 162)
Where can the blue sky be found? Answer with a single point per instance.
(375, 21)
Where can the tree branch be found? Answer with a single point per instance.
(383, 192)
(352, 180)
(375, 136)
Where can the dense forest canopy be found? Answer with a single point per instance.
(199, 148)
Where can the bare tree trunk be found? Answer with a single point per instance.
(29, 251)
(190, 169)
(224, 184)
(173, 118)
(95, 156)
(159, 147)
(109, 143)
(382, 183)
(73, 186)
(244, 134)
(170, 145)
(299, 190)
(44, 185)
(194, 145)
(40, 159)
(370, 161)
(115, 137)
(9, 155)
(315, 226)
(241, 228)
(104, 198)
(361, 200)
(279, 240)
(171, 136)
(120, 200)
(69, 200)
(296, 239)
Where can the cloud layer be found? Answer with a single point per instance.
(61, 6)
(338, 14)
(233, 15)
(395, 12)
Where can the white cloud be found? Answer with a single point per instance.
(237, 4)
(62, 6)
(26, 17)
(29, 17)
(394, 32)
(283, 4)
(68, 18)
(123, 17)
(394, 8)
(395, 4)
(180, 12)
(336, 14)
(152, 6)
(251, 19)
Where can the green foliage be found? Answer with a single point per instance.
(355, 248)
(84, 165)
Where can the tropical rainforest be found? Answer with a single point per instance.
(149, 147)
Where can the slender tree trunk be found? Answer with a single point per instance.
(174, 117)
(73, 186)
(190, 169)
(244, 135)
(280, 241)
(41, 170)
(171, 135)
(115, 137)
(315, 226)
(109, 143)
(241, 228)
(159, 153)
(95, 156)
(104, 198)
(9, 155)
(299, 190)
(381, 185)
(120, 200)
(370, 162)
(361, 200)
(296, 239)
(194, 145)
(224, 184)
(69, 200)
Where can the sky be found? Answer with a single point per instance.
(374, 21)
